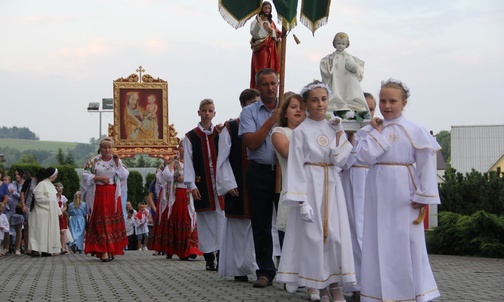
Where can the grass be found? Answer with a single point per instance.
(24, 144)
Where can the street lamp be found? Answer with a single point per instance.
(107, 106)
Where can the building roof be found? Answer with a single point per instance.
(476, 147)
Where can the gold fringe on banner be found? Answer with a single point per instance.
(231, 19)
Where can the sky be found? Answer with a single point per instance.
(56, 56)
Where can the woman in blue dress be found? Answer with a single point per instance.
(77, 211)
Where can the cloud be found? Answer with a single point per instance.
(43, 19)
(95, 47)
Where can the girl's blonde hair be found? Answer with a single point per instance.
(77, 199)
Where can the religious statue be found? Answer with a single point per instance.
(265, 36)
(343, 73)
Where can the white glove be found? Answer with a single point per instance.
(306, 212)
(336, 123)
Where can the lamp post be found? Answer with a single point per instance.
(107, 106)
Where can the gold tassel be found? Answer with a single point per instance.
(296, 38)
(420, 217)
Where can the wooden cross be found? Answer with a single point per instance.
(140, 70)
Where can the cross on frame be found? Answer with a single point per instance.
(140, 70)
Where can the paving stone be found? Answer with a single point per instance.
(139, 276)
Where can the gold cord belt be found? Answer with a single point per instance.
(326, 195)
(360, 166)
(421, 214)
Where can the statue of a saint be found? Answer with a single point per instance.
(343, 73)
(265, 36)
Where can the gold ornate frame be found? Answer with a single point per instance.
(130, 118)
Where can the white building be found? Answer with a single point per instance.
(477, 147)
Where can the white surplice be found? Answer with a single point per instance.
(307, 259)
(395, 264)
(237, 254)
(353, 178)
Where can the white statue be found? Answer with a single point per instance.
(343, 73)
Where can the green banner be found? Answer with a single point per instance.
(315, 13)
(237, 12)
(287, 11)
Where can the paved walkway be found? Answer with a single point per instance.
(139, 276)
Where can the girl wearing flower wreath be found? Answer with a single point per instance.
(317, 249)
(400, 182)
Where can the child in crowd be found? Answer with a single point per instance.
(354, 183)
(130, 230)
(200, 160)
(4, 226)
(317, 249)
(62, 203)
(141, 227)
(400, 182)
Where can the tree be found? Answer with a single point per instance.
(28, 159)
(69, 159)
(18, 133)
(129, 162)
(472, 192)
(60, 157)
(70, 180)
(444, 139)
(143, 161)
(135, 188)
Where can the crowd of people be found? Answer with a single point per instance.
(282, 191)
(343, 214)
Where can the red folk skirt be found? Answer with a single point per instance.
(159, 233)
(178, 237)
(107, 232)
(63, 225)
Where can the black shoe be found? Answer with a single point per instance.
(74, 248)
(192, 256)
(210, 266)
(241, 278)
(35, 254)
(46, 255)
(168, 256)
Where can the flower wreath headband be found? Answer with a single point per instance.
(397, 82)
(313, 86)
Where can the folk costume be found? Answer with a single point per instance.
(395, 264)
(237, 256)
(62, 201)
(106, 233)
(264, 48)
(180, 231)
(160, 220)
(319, 253)
(200, 158)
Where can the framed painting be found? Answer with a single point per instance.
(141, 123)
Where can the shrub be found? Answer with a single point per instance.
(135, 188)
(480, 234)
